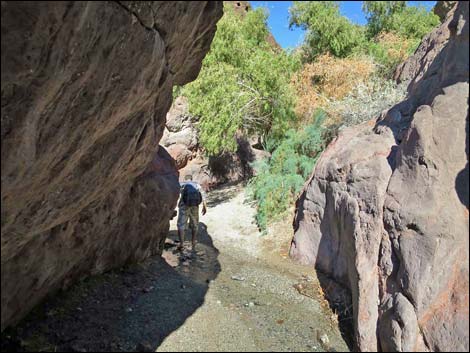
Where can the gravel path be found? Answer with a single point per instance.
(237, 293)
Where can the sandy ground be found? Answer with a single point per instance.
(238, 292)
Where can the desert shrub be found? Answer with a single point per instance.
(367, 100)
(392, 33)
(328, 78)
(280, 178)
(388, 50)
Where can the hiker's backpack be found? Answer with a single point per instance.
(191, 196)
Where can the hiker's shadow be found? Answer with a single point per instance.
(130, 309)
(180, 291)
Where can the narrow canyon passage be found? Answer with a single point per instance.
(238, 292)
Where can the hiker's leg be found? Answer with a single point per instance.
(181, 236)
(194, 237)
(194, 219)
(181, 224)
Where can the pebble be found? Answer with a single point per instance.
(144, 347)
(324, 339)
(147, 290)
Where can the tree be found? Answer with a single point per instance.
(396, 16)
(243, 86)
(327, 30)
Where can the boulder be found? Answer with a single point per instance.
(180, 154)
(188, 137)
(386, 210)
(85, 90)
(178, 116)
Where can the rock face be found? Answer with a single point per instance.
(85, 90)
(385, 212)
(182, 142)
(414, 67)
(442, 8)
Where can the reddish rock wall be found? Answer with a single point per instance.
(385, 212)
(85, 90)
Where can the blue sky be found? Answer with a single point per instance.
(278, 20)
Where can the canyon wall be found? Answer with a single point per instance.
(85, 90)
(386, 210)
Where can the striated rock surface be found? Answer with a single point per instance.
(85, 90)
(386, 211)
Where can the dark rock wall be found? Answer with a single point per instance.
(85, 90)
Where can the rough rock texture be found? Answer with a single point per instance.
(414, 67)
(442, 8)
(181, 154)
(385, 212)
(85, 90)
(182, 142)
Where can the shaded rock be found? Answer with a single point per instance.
(385, 212)
(413, 68)
(442, 8)
(178, 116)
(225, 168)
(85, 90)
(144, 347)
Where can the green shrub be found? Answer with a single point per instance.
(396, 16)
(243, 86)
(280, 178)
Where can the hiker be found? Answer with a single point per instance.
(191, 196)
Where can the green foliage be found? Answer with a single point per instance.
(243, 86)
(379, 13)
(279, 179)
(396, 16)
(327, 30)
(330, 32)
(388, 50)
